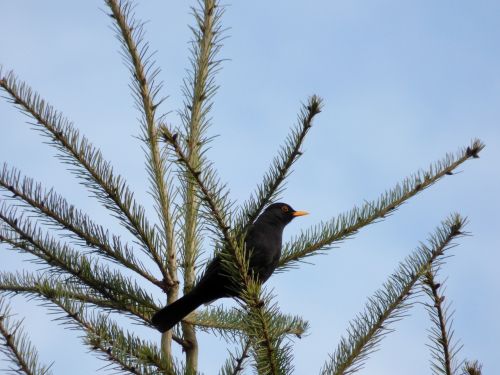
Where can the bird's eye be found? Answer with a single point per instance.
(285, 208)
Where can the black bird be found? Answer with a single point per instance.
(263, 243)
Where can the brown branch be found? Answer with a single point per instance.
(438, 316)
(209, 196)
(10, 343)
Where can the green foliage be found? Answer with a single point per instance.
(84, 281)
(230, 323)
(55, 210)
(272, 184)
(16, 346)
(85, 161)
(390, 303)
(322, 236)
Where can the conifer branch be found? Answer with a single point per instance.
(230, 323)
(235, 363)
(130, 354)
(271, 354)
(53, 208)
(50, 288)
(142, 357)
(199, 89)
(324, 235)
(126, 295)
(17, 346)
(96, 173)
(472, 368)
(390, 303)
(214, 197)
(213, 194)
(443, 349)
(136, 54)
(273, 181)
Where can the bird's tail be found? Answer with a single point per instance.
(172, 314)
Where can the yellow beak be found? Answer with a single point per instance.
(300, 213)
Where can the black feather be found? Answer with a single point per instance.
(263, 243)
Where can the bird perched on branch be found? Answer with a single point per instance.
(263, 243)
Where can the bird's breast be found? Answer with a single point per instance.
(264, 247)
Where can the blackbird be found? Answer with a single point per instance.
(263, 244)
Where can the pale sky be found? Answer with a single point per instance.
(403, 84)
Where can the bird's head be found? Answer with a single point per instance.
(282, 213)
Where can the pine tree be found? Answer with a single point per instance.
(83, 279)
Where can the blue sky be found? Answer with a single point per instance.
(403, 84)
